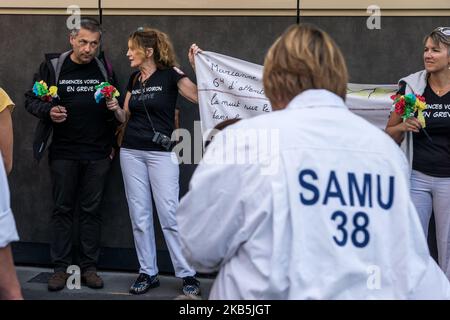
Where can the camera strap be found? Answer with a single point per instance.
(142, 85)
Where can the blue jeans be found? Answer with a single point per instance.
(433, 194)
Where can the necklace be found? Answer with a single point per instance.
(144, 80)
(441, 91)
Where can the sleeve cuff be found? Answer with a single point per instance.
(8, 231)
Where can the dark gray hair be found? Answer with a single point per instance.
(90, 24)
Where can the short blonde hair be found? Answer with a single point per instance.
(303, 58)
(163, 52)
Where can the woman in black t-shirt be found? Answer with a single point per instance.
(429, 151)
(149, 167)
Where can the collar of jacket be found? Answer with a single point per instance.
(316, 98)
(416, 82)
(50, 56)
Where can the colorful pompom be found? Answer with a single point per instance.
(41, 90)
(407, 105)
(105, 90)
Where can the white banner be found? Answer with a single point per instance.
(230, 88)
(371, 101)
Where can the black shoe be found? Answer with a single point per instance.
(143, 283)
(191, 286)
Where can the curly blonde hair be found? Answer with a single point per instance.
(303, 58)
(163, 52)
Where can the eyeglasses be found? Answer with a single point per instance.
(140, 29)
(443, 30)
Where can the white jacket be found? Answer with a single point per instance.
(280, 234)
(415, 84)
(8, 232)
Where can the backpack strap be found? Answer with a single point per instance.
(57, 64)
(102, 68)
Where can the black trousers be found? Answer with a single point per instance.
(83, 180)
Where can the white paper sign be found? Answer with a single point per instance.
(228, 88)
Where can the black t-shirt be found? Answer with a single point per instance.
(159, 97)
(87, 132)
(433, 157)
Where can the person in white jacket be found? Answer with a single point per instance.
(323, 210)
(9, 284)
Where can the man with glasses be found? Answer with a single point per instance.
(80, 151)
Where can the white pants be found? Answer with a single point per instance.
(145, 172)
(433, 194)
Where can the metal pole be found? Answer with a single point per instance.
(100, 20)
(100, 13)
(298, 11)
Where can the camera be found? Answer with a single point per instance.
(162, 140)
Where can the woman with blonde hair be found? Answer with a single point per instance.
(429, 150)
(333, 210)
(149, 167)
